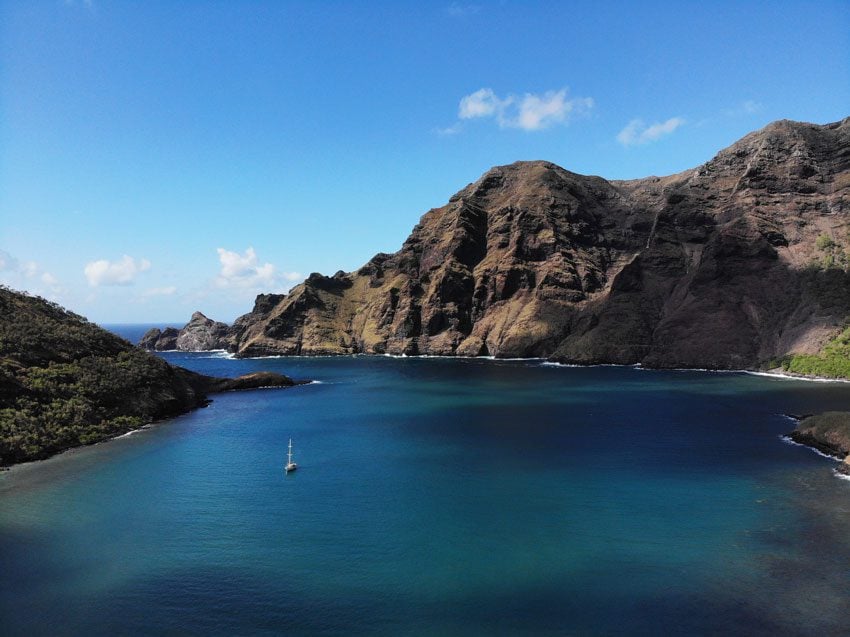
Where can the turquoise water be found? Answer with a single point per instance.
(444, 497)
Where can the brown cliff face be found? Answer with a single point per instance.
(739, 261)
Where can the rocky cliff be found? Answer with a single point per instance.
(198, 335)
(66, 382)
(738, 262)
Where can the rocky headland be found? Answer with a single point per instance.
(829, 433)
(740, 263)
(66, 382)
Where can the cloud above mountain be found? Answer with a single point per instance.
(528, 112)
(121, 272)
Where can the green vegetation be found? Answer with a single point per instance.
(824, 242)
(829, 432)
(834, 255)
(66, 382)
(829, 422)
(833, 361)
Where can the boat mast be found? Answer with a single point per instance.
(289, 455)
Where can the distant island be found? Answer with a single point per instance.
(65, 382)
(741, 263)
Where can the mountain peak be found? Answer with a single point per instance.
(728, 265)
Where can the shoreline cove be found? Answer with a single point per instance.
(610, 472)
(542, 360)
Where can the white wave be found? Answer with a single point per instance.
(219, 353)
(224, 354)
(791, 441)
(807, 379)
(573, 365)
(216, 353)
(454, 357)
(841, 476)
(129, 433)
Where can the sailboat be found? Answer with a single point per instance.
(290, 466)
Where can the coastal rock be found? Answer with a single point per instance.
(160, 340)
(149, 339)
(828, 432)
(254, 380)
(730, 265)
(202, 334)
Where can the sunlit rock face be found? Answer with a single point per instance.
(728, 265)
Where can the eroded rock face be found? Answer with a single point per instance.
(160, 340)
(198, 335)
(202, 334)
(723, 266)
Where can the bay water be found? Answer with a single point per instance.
(440, 497)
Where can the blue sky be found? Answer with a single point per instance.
(161, 157)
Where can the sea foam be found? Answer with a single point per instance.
(791, 441)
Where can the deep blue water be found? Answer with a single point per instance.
(440, 497)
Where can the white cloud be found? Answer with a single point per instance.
(123, 272)
(245, 271)
(537, 112)
(29, 269)
(28, 275)
(637, 132)
(457, 10)
(481, 103)
(7, 261)
(164, 291)
(530, 112)
(48, 279)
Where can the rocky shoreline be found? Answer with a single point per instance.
(829, 433)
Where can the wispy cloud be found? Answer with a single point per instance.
(454, 129)
(747, 107)
(121, 272)
(85, 4)
(637, 133)
(246, 272)
(28, 275)
(163, 291)
(458, 10)
(529, 112)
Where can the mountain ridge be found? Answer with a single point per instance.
(733, 264)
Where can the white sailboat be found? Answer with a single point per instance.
(290, 466)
